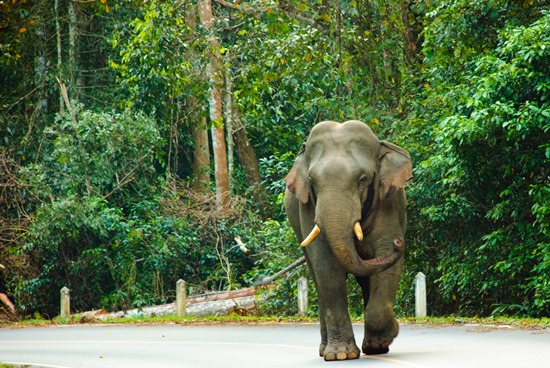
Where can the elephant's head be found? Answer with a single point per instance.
(345, 172)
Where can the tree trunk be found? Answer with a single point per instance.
(220, 162)
(72, 47)
(216, 116)
(247, 155)
(249, 163)
(201, 166)
(411, 34)
(173, 141)
(40, 80)
(199, 127)
(229, 128)
(238, 138)
(59, 54)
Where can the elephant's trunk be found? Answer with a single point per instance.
(340, 228)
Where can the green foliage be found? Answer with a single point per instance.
(290, 75)
(287, 81)
(485, 184)
(89, 233)
(108, 228)
(99, 154)
(463, 85)
(159, 56)
(271, 168)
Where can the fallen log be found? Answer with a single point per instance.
(242, 302)
(264, 280)
(221, 295)
(221, 303)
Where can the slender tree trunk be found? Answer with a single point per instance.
(412, 32)
(229, 128)
(173, 144)
(220, 168)
(238, 140)
(249, 163)
(40, 78)
(75, 77)
(246, 154)
(201, 164)
(201, 167)
(216, 116)
(59, 54)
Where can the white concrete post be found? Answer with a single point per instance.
(65, 310)
(181, 298)
(420, 295)
(302, 296)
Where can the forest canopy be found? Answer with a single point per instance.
(138, 139)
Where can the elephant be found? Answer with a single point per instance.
(345, 201)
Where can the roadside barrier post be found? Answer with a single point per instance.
(302, 296)
(65, 311)
(181, 298)
(420, 295)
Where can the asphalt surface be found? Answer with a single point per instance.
(242, 346)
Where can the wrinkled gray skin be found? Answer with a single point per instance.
(344, 174)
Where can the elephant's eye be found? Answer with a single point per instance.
(363, 182)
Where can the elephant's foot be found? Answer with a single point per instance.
(378, 342)
(339, 351)
(369, 350)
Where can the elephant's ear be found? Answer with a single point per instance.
(296, 180)
(395, 168)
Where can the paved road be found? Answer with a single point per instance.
(265, 346)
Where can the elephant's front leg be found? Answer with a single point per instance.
(381, 327)
(337, 340)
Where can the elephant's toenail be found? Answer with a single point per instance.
(341, 356)
(353, 355)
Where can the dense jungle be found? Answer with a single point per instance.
(146, 141)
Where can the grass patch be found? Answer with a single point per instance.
(516, 322)
(528, 323)
(232, 318)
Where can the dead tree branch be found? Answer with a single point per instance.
(264, 280)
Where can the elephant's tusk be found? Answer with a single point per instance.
(311, 237)
(358, 231)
